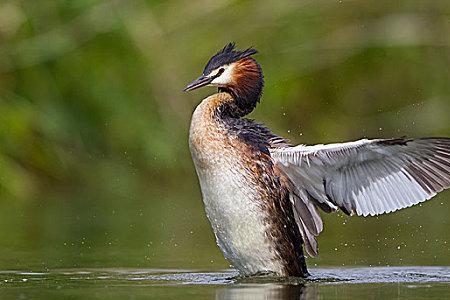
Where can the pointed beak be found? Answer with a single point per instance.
(198, 83)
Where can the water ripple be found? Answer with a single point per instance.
(324, 276)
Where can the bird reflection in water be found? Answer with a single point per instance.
(269, 291)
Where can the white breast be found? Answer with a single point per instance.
(231, 203)
(237, 220)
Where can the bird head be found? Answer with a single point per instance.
(235, 72)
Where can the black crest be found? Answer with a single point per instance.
(226, 56)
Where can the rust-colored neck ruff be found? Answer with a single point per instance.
(246, 88)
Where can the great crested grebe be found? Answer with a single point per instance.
(261, 194)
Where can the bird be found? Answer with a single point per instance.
(262, 194)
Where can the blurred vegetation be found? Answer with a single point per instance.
(94, 163)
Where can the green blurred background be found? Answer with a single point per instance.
(95, 169)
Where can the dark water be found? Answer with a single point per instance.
(332, 283)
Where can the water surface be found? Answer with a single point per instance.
(325, 283)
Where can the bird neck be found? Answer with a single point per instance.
(245, 88)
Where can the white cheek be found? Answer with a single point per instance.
(225, 78)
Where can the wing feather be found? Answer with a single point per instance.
(368, 177)
(307, 218)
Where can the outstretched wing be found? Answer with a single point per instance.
(368, 177)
